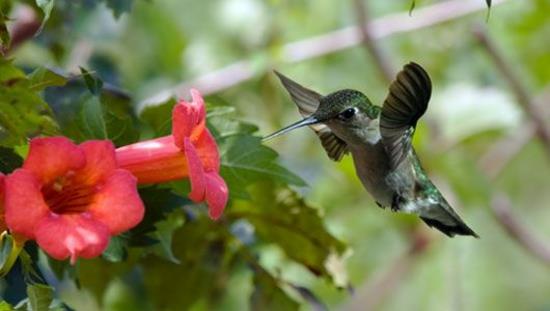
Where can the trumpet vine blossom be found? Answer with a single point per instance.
(71, 198)
(190, 152)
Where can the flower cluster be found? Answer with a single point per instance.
(71, 198)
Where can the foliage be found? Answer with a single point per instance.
(279, 243)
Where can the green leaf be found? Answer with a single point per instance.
(267, 294)
(91, 119)
(46, 6)
(6, 247)
(159, 117)
(4, 306)
(413, 4)
(23, 113)
(4, 33)
(245, 160)
(163, 234)
(40, 297)
(93, 83)
(281, 217)
(222, 123)
(42, 78)
(117, 249)
(119, 6)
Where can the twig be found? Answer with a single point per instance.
(524, 99)
(502, 210)
(325, 44)
(380, 59)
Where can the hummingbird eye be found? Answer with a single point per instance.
(348, 113)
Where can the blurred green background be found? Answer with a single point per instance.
(160, 44)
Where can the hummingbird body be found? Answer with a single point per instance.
(379, 140)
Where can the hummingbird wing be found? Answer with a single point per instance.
(406, 103)
(308, 101)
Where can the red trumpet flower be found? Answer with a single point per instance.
(190, 151)
(71, 198)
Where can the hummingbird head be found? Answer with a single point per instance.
(348, 113)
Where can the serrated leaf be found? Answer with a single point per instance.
(267, 294)
(163, 234)
(119, 6)
(281, 217)
(245, 160)
(42, 78)
(91, 119)
(117, 249)
(23, 113)
(46, 6)
(40, 297)
(222, 123)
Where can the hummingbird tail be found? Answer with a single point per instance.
(459, 227)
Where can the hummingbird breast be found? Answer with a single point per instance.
(372, 166)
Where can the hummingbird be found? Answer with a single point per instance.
(379, 140)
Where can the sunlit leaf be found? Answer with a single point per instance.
(281, 217)
(245, 161)
(46, 6)
(5, 306)
(43, 77)
(23, 114)
(40, 297)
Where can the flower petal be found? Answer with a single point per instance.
(196, 172)
(72, 235)
(188, 119)
(52, 157)
(24, 203)
(208, 151)
(117, 204)
(100, 161)
(216, 194)
(153, 161)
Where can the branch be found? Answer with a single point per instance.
(502, 211)
(325, 44)
(381, 60)
(522, 94)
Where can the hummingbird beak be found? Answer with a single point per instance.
(307, 121)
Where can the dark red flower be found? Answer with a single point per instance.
(71, 198)
(190, 152)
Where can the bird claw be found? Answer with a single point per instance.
(396, 202)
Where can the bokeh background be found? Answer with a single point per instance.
(482, 139)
